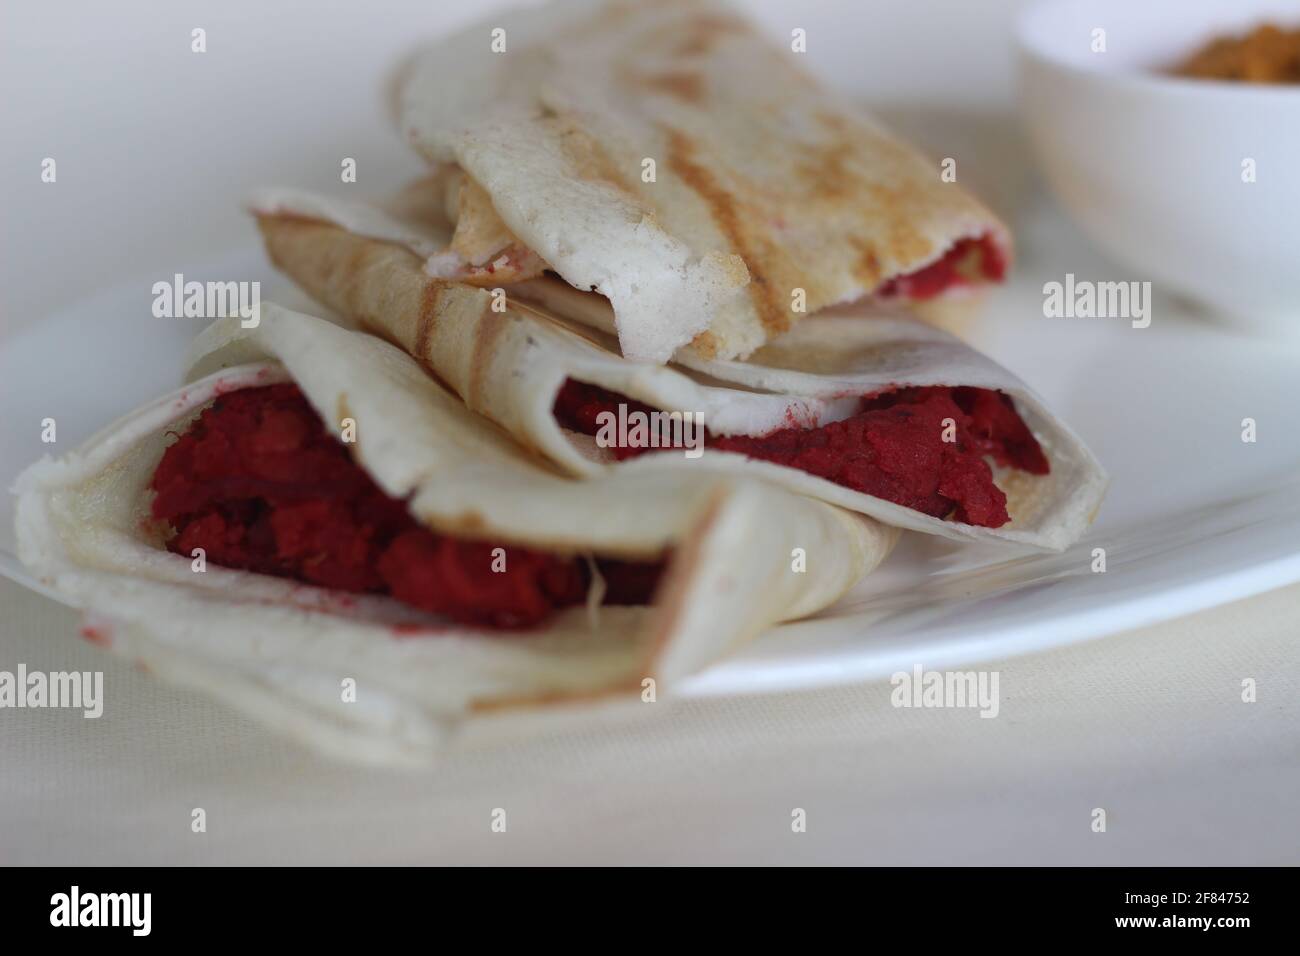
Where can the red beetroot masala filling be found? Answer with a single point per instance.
(968, 262)
(891, 448)
(259, 483)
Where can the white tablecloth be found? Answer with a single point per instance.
(1149, 725)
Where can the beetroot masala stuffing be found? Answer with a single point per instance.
(968, 262)
(891, 448)
(259, 483)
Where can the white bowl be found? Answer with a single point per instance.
(1151, 166)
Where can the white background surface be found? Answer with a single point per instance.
(1149, 725)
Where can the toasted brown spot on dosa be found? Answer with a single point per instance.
(468, 523)
(684, 86)
(349, 278)
(768, 301)
(829, 175)
(589, 158)
(490, 326)
(702, 33)
(705, 344)
(608, 17)
(427, 318)
(835, 122)
(278, 226)
(868, 266)
(904, 243)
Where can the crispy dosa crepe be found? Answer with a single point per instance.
(672, 159)
(281, 649)
(511, 365)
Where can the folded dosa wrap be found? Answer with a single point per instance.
(510, 365)
(280, 649)
(670, 158)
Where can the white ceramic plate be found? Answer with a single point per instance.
(1195, 516)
